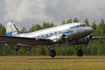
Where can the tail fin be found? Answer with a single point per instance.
(11, 29)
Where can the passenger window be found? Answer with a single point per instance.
(50, 33)
(77, 26)
(46, 34)
(37, 36)
(59, 32)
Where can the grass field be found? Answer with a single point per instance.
(12, 62)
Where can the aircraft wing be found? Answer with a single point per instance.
(24, 40)
(97, 38)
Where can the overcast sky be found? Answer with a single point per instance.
(29, 12)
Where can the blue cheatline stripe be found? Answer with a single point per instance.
(70, 31)
(11, 33)
(65, 32)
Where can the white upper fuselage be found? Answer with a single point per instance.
(54, 32)
(60, 34)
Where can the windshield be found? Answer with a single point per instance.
(83, 25)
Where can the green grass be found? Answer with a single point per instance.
(52, 64)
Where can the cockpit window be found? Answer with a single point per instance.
(82, 25)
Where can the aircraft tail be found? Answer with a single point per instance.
(11, 29)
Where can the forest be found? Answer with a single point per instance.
(96, 47)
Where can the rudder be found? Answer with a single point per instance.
(11, 29)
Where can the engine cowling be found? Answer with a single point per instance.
(60, 38)
(88, 38)
(85, 40)
(57, 38)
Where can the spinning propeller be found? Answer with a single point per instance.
(91, 40)
(66, 40)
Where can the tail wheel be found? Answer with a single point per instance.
(52, 53)
(79, 52)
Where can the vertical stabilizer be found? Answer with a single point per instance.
(11, 29)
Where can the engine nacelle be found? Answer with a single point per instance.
(59, 38)
(85, 40)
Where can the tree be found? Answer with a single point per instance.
(33, 51)
(47, 25)
(63, 22)
(87, 22)
(21, 51)
(52, 24)
(24, 30)
(75, 20)
(69, 21)
(101, 28)
(35, 28)
(2, 30)
(94, 25)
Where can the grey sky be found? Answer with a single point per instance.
(29, 12)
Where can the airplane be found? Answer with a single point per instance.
(68, 34)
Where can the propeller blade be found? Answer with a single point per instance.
(65, 38)
(89, 43)
(91, 40)
(67, 43)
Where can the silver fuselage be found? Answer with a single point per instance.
(71, 32)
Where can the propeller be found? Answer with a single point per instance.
(67, 44)
(91, 40)
(66, 40)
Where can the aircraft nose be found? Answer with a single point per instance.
(89, 29)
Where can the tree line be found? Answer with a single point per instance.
(96, 47)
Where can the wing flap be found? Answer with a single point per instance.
(24, 40)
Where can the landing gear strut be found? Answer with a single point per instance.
(17, 48)
(52, 52)
(79, 51)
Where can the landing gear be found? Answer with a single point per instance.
(79, 52)
(17, 49)
(52, 53)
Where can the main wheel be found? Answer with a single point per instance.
(79, 52)
(17, 49)
(52, 53)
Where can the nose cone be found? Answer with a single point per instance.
(89, 30)
(86, 31)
